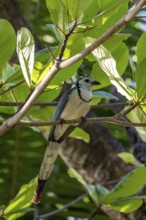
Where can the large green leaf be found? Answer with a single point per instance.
(21, 203)
(127, 204)
(141, 47)
(64, 12)
(139, 116)
(80, 134)
(25, 51)
(7, 43)
(108, 64)
(128, 186)
(140, 77)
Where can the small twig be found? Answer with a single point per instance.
(36, 212)
(124, 112)
(50, 52)
(94, 213)
(60, 29)
(54, 103)
(139, 17)
(11, 87)
(66, 36)
(65, 207)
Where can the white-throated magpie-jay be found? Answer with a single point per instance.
(74, 104)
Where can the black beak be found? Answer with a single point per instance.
(95, 83)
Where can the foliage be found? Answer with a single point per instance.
(21, 149)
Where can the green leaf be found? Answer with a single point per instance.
(80, 134)
(91, 189)
(127, 204)
(63, 13)
(20, 204)
(141, 46)
(77, 9)
(58, 13)
(140, 77)
(7, 43)
(108, 64)
(104, 95)
(139, 116)
(128, 186)
(25, 51)
(128, 158)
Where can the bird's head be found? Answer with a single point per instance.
(87, 82)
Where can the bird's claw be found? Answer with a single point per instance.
(62, 121)
(83, 120)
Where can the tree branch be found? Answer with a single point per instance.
(111, 120)
(8, 124)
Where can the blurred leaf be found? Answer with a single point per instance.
(25, 51)
(141, 46)
(80, 134)
(104, 95)
(127, 204)
(7, 43)
(139, 116)
(128, 158)
(88, 187)
(55, 31)
(58, 13)
(140, 77)
(128, 186)
(18, 206)
(64, 13)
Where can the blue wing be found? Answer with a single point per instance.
(60, 107)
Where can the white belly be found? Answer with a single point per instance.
(75, 108)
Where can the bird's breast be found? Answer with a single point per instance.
(76, 107)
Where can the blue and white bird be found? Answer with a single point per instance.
(74, 104)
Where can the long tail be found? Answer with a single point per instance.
(46, 169)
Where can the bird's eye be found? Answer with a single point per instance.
(87, 80)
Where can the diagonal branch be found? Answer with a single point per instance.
(8, 124)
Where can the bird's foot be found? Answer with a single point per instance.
(62, 121)
(83, 120)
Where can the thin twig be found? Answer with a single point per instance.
(50, 52)
(54, 103)
(11, 87)
(94, 213)
(66, 37)
(65, 207)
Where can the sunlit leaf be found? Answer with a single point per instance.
(25, 51)
(80, 134)
(7, 43)
(139, 116)
(140, 77)
(18, 206)
(128, 158)
(107, 63)
(128, 186)
(127, 204)
(141, 46)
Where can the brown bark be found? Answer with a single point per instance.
(98, 161)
